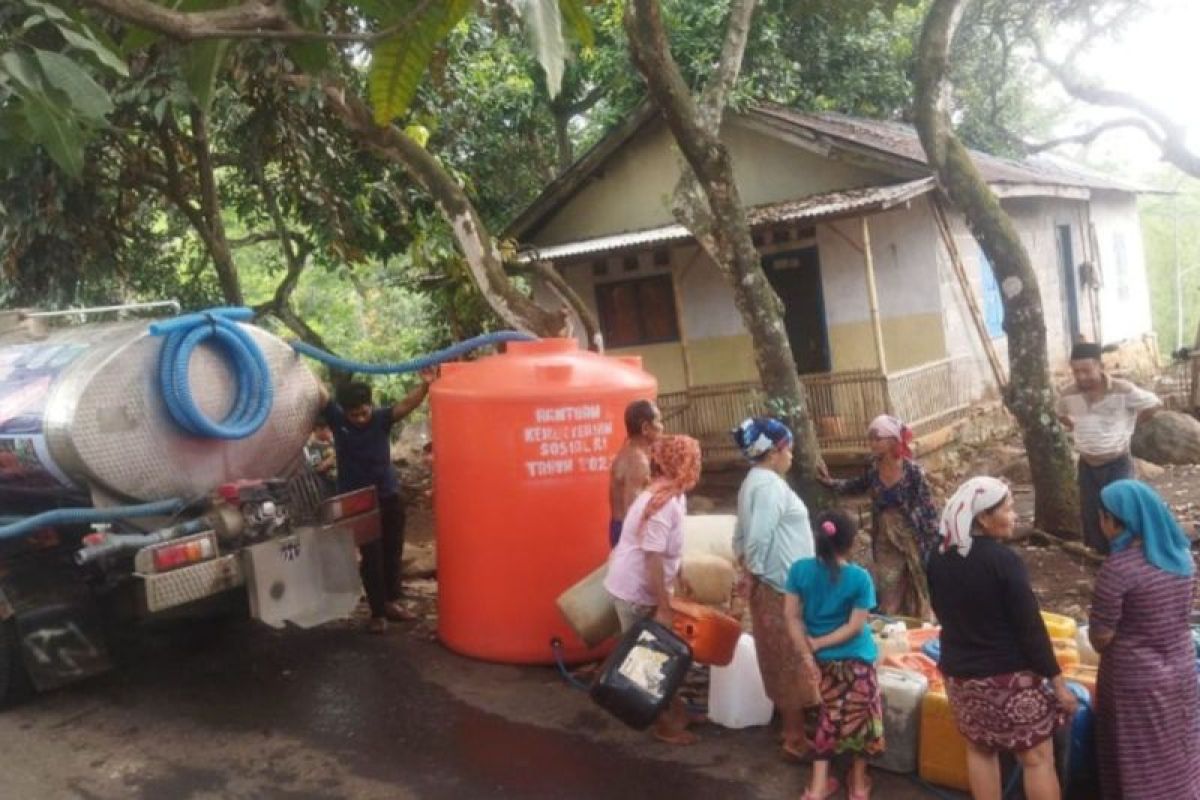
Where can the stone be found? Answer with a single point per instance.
(1146, 471)
(1168, 437)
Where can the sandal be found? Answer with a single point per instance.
(864, 794)
(831, 788)
(681, 738)
(800, 756)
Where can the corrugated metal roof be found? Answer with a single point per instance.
(901, 140)
(809, 209)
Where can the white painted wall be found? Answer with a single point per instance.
(902, 249)
(634, 190)
(1125, 292)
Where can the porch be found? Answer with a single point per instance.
(929, 397)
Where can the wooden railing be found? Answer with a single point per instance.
(842, 405)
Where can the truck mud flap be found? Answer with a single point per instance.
(61, 644)
(307, 578)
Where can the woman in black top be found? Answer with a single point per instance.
(1002, 679)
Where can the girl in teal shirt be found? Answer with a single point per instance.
(827, 605)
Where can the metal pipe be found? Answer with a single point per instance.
(70, 312)
(117, 543)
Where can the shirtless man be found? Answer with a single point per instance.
(631, 468)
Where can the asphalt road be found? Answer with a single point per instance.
(235, 710)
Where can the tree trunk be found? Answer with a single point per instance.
(564, 149)
(483, 259)
(1030, 395)
(724, 226)
(210, 207)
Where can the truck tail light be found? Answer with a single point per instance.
(173, 555)
(350, 504)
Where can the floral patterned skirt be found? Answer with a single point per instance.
(1012, 712)
(851, 718)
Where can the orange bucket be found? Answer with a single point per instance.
(918, 663)
(712, 635)
(1085, 676)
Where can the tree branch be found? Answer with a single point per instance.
(253, 238)
(255, 19)
(1171, 137)
(210, 205)
(483, 258)
(1089, 136)
(715, 97)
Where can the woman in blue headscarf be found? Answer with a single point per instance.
(1147, 695)
(771, 535)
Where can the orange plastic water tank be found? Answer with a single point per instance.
(522, 444)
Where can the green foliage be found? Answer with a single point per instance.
(47, 96)
(1162, 216)
(399, 62)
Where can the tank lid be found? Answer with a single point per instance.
(543, 346)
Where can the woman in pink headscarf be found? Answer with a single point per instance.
(905, 520)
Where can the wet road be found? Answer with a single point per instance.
(234, 710)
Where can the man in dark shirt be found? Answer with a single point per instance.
(361, 437)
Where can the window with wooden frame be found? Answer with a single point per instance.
(639, 311)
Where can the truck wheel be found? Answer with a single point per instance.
(14, 680)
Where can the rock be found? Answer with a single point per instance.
(1146, 471)
(1016, 471)
(1168, 437)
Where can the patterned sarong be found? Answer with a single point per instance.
(851, 719)
(1012, 712)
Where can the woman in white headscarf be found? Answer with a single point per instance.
(1004, 684)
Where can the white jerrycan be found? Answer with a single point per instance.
(736, 698)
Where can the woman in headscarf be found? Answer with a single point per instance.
(905, 520)
(771, 535)
(1004, 684)
(645, 563)
(1148, 701)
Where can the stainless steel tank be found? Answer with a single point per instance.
(80, 409)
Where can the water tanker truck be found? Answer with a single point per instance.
(151, 471)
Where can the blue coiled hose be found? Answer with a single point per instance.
(255, 394)
(423, 362)
(255, 391)
(83, 516)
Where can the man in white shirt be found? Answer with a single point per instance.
(1102, 412)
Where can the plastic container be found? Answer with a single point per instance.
(1076, 748)
(919, 637)
(642, 674)
(522, 447)
(902, 692)
(892, 639)
(1058, 626)
(736, 697)
(588, 608)
(942, 754)
(918, 663)
(1065, 653)
(933, 649)
(1084, 675)
(1087, 654)
(713, 636)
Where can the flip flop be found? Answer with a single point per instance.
(804, 756)
(680, 738)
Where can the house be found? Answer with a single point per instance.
(890, 303)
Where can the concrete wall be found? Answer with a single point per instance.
(715, 347)
(1125, 293)
(634, 190)
(902, 245)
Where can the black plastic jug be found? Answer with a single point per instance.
(642, 674)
